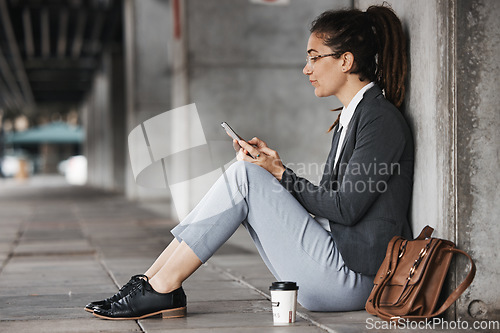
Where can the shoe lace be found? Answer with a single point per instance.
(141, 285)
(133, 280)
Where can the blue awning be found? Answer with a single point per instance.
(56, 132)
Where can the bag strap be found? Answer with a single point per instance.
(449, 301)
(425, 233)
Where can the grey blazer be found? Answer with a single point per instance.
(367, 196)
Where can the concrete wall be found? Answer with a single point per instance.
(452, 108)
(239, 62)
(245, 68)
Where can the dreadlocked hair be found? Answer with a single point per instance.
(377, 42)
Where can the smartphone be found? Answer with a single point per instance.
(230, 131)
(235, 136)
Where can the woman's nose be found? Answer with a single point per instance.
(307, 69)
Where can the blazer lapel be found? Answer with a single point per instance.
(346, 138)
(369, 95)
(327, 172)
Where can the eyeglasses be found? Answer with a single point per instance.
(312, 59)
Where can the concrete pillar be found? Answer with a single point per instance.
(104, 122)
(148, 68)
(118, 119)
(99, 131)
(452, 109)
(477, 151)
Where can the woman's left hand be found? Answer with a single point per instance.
(263, 156)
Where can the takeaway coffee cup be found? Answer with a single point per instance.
(284, 302)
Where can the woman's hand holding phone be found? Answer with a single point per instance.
(257, 152)
(263, 156)
(232, 134)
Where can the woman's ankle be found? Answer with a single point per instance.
(163, 287)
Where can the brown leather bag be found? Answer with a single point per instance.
(410, 279)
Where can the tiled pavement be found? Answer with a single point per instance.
(63, 246)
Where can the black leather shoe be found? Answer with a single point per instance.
(143, 301)
(122, 292)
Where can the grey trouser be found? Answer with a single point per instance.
(291, 242)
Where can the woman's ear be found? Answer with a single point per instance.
(347, 61)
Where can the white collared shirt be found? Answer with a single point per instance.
(346, 116)
(345, 119)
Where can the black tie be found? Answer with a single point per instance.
(330, 162)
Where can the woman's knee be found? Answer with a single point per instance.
(245, 169)
(242, 165)
(236, 167)
(237, 170)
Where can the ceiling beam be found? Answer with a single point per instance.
(28, 34)
(95, 43)
(62, 41)
(9, 101)
(45, 32)
(80, 30)
(18, 63)
(10, 80)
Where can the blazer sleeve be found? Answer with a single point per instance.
(379, 145)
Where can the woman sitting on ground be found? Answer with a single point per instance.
(360, 204)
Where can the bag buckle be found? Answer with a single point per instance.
(402, 249)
